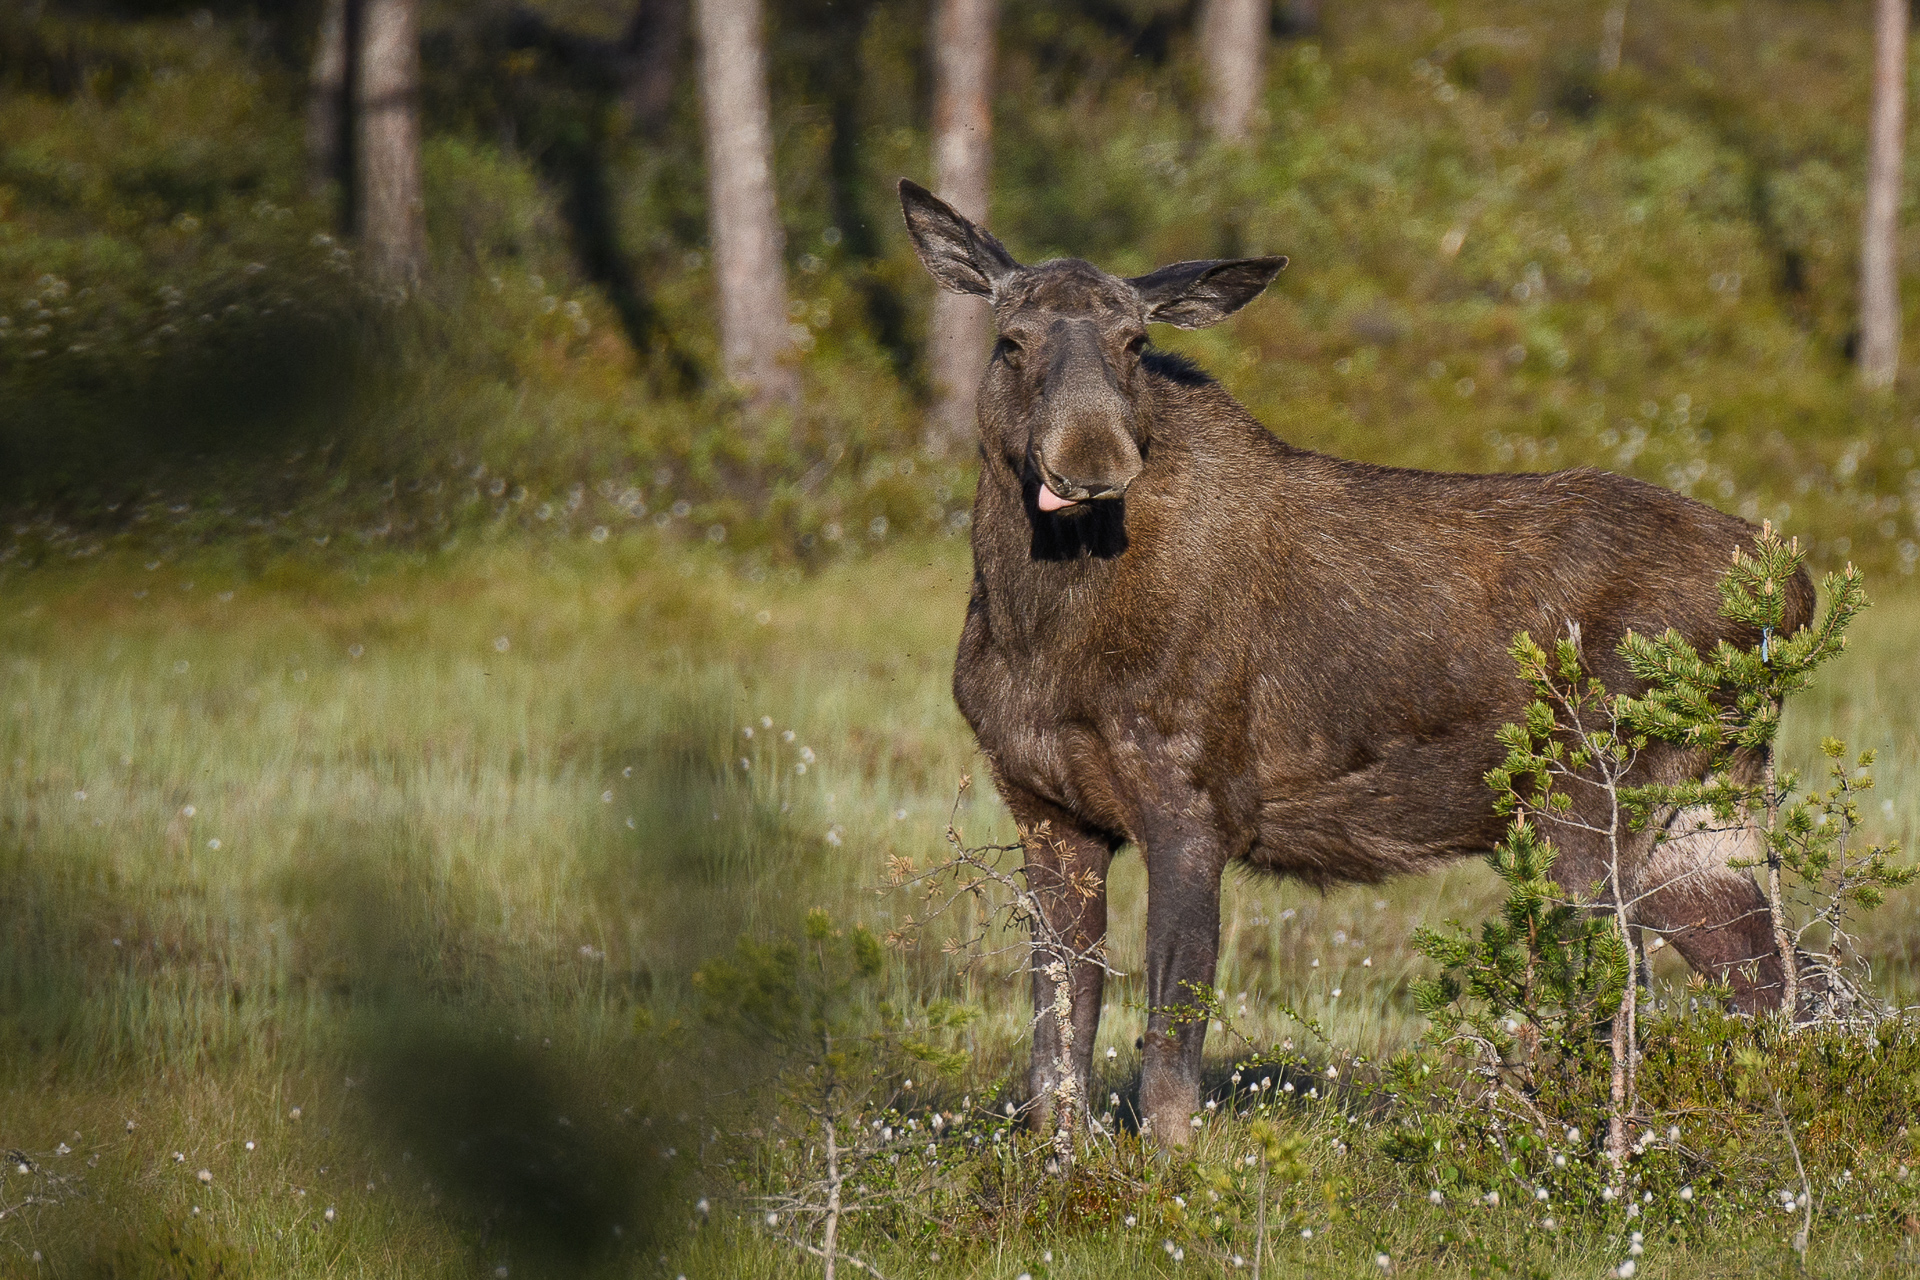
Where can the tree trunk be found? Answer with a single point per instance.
(329, 144)
(741, 209)
(393, 229)
(1879, 254)
(959, 337)
(1233, 41)
(1613, 32)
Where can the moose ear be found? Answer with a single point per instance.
(1193, 295)
(960, 255)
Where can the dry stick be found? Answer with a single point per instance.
(1260, 1224)
(833, 1198)
(1776, 906)
(1800, 1237)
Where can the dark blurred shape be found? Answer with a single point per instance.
(554, 102)
(649, 58)
(515, 1141)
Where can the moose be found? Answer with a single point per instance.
(1188, 636)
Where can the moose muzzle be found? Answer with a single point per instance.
(1086, 447)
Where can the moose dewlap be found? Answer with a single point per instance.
(1189, 636)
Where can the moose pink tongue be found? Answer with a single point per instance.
(1051, 501)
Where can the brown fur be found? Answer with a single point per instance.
(1231, 649)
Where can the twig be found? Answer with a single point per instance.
(1800, 1237)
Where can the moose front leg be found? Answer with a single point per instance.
(1066, 871)
(1183, 943)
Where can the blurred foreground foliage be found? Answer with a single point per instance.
(1502, 259)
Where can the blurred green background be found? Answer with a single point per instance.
(399, 700)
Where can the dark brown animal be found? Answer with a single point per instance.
(1187, 635)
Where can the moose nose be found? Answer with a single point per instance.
(1084, 490)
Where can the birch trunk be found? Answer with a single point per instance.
(327, 87)
(393, 230)
(748, 247)
(1886, 143)
(1233, 41)
(959, 337)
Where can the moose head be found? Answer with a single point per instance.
(1061, 400)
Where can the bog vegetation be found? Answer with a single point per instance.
(407, 711)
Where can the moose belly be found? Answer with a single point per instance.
(1406, 804)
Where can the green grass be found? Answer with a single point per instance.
(505, 799)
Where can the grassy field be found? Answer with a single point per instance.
(291, 846)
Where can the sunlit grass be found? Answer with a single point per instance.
(240, 811)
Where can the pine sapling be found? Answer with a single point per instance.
(1728, 704)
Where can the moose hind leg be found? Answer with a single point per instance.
(1066, 871)
(1712, 912)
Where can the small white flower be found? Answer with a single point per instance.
(1382, 1261)
(1132, 1221)
(773, 1219)
(1306, 1233)
(1686, 1193)
(501, 644)
(1112, 1053)
(1548, 1223)
(214, 843)
(1626, 1269)
(1573, 1135)
(1435, 1196)
(329, 1214)
(1493, 1198)
(1636, 1249)
(1539, 1193)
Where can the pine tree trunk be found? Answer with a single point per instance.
(1233, 41)
(1879, 254)
(328, 144)
(1613, 32)
(393, 232)
(958, 339)
(741, 207)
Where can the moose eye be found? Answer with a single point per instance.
(1010, 351)
(1137, 345)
